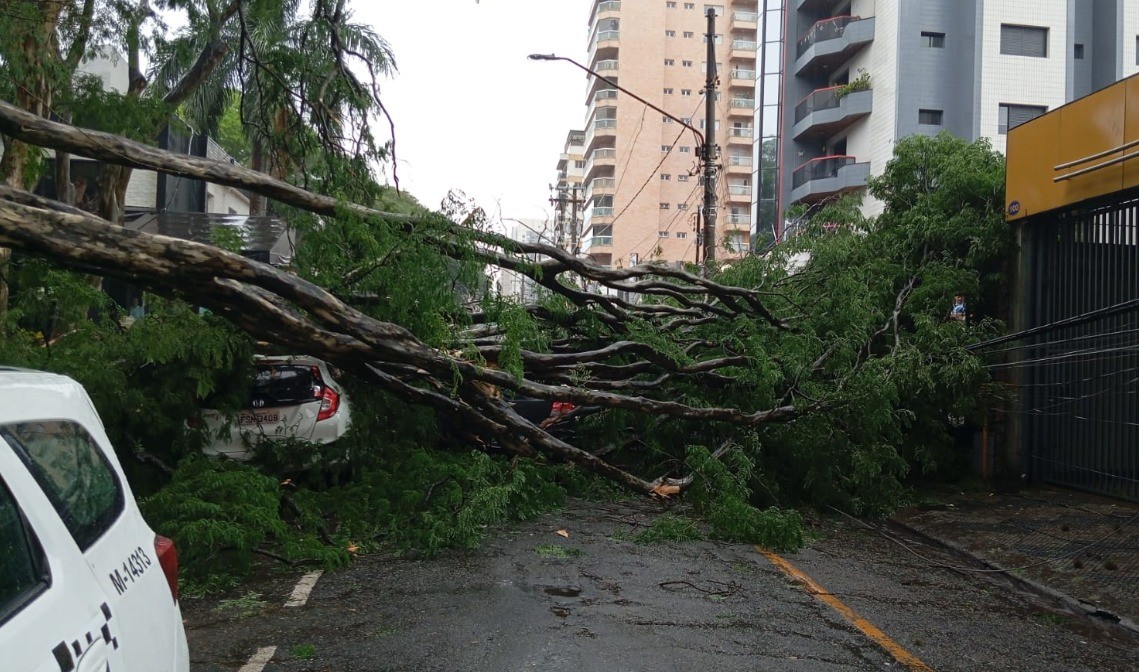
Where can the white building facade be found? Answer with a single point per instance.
(840, 81)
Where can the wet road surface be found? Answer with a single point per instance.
(530, 599)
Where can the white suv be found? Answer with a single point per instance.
(290, 398)
(85, 584)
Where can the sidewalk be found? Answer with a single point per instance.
(1077, 546)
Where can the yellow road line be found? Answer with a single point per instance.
(869, 629)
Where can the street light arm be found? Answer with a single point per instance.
(615, 85)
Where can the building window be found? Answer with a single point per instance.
(669, 61)
(685, 150)
(667, 91)
(687, 120)
(665, 177)
(690, 5)
(662, 234)
(667, 120)
(665, 148)
(933, 40)
(716, 39)
(681, 206)
(716, 8)
(670, 33)
(1024, 41)
(579, 164)
(1078, 52)
(664, 206)
(929, 117)
(670, 4)
(682, 177)
(689, 34)
(686, 92)
(1011, 116)
(687, 64)
(681, 234)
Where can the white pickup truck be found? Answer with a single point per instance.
(85, 584)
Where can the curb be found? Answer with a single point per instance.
(1069, 601)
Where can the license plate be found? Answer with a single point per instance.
(259, 417)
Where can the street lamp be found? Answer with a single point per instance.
(708, 154)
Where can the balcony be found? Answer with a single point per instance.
(830, 43)
(743, 78)
(740, 221)
(607, 67)
(741, 107)
(603, 39)
(599, 159)
(744, 49)
(740, 135)
(600, 187)
(745, 20)
(738, 164)
(823, 113)
(827, 176)
(739, 193)
(600, 132)
(605, 10)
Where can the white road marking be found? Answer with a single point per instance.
(303, 589)
(259, 660)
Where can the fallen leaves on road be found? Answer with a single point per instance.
(563, 533)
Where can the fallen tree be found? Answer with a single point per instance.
(822, 355)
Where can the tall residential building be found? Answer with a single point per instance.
(643, 185)
(567, 194)
(841, 80)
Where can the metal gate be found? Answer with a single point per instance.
(1080, 378)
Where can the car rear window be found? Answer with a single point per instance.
(281, 384)
(73, 472)
(23, 570)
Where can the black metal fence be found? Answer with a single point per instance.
(1080, 380)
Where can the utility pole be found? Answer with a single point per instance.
(567, 232)
(710, 153)
(575, 226)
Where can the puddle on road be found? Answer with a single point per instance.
(562, 591)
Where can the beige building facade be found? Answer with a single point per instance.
(642, 178)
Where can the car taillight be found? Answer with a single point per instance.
(561, 407)
(168, 559)
(329, 404)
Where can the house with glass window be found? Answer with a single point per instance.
(840, 81)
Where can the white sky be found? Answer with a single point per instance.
(471, 112)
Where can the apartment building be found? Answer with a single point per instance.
(643, 189)
(841, 80)
(567, 194)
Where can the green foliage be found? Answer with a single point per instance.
(303, 651)
(216, 513)
(859, 83)
(555, 552)
(249, 604)
(669, 527)
(722, 495)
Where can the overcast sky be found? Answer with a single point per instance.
(470, 111)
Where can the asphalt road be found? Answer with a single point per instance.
(856, 599)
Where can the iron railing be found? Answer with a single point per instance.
(819, 169)
(1079, 382)
(827, 29)
(820, 99)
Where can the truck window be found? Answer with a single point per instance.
(73, 472)
(22, 566)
